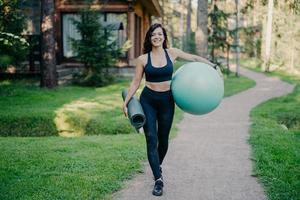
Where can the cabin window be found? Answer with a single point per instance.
(119, 33)
(116, 22)
(69, 31)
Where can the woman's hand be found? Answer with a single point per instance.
(138, 75)
(216, 67)
(125, 110)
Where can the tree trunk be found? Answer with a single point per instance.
(188, 26)
(181, 29)
(292, 55)
(48, 59)
(268, 36)
(201, 32)
(163, 12)
(237, 57)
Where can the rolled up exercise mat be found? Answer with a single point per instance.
(135, 111)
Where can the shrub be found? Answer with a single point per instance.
(5, 60)
(28, 125)
(290, 119)
(93, 79)
(12, 23)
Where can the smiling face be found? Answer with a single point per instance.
(157, 37)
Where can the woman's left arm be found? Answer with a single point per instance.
(186, 56)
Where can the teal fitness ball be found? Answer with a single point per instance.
(197, 88)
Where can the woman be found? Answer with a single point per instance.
(156, 98)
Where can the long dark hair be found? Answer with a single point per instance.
(147, 41)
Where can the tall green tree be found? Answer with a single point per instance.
(217, 30)
(95, 49)
(13, 47)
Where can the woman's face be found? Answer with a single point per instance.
(157, 37)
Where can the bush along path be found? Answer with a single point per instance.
(210, 158)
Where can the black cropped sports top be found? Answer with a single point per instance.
(159, 74)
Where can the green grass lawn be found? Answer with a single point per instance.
(236, 84)
(92, 166)
(85, 167)
(27, 110)
(275, 140)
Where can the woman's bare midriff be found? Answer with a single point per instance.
(159, 87)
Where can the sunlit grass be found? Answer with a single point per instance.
(234, 85)
(30, 111)
(5, 82)
(86, 110)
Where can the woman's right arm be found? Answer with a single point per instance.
(136, 81)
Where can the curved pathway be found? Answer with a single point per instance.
(210, 159)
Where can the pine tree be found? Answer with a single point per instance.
(95, 49)
(217, 30)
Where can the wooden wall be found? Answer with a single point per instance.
(135, 13)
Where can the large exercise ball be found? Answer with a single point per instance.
(197, 88)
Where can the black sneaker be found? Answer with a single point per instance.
(158, 187)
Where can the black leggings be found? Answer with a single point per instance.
(159, 110)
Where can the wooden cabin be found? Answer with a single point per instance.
(132, 18)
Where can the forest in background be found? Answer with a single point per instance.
(181, 18)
